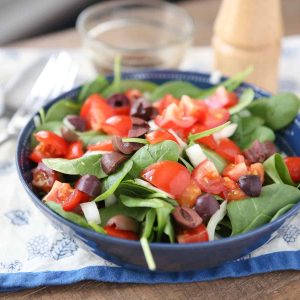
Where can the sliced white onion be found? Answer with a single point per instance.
(195, 155)
(215, 219)
(88, 153)
(91, 212)
(215, 77)
(181, 143)
(153, 125)
(226, 132)
(151, 187)
(111, 200)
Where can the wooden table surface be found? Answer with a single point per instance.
(276, 285)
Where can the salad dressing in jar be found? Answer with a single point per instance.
(248, 32)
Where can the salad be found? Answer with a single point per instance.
(170, 163)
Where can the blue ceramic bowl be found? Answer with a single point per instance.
(168, 257)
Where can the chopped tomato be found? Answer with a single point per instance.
(102, 146)
(208, 141)
(124, 110)
(221, 98)
(207, 177)
(170, 176)
(216, 117)
(133, 94)
(193, 108)
(95, 111)
(257, 169)
(59, 192)
(58, 144)
(232, 99)
(233, 191)
(42, 151)
(74, 199)
(293, 165)
(157, 136)
(228, 149)
(117, 125)
(75, 150)
(239, 159)
(122, 234)
(235, 171)
(190, 194)
(196, 235)
(163, 103)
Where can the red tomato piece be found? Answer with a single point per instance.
(190, 194)
(235, 171)
(124, 110)
(233, 191)
(208, 141)
(102, 146)
(239, 159)
(158, 136)
(228, 149)
(207, 177)
(232, 99)
(95, 111)
(58, 144)
(293, 165)
(117, 125)
(193, 108)
(74, 199)
(257, 169)
(162, 104)
(41, 151)
(75, 150)
(169, 176)
(196, 235)
(222, 98)
(122, 234)
(216, 117)
(59, 192)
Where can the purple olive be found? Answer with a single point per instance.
(186, 217)
(250, 185)
(123, 222)
(90, 185)
(118, 100)
(139, 127)
(111, 161)
(123, 147)
(143, 109)
(69, 135)
(75, 122)
(206, 206)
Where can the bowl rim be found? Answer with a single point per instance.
(154, 246)
(86, 13)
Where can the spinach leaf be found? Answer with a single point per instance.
(94, 87)
(282, 211)
(214, 157)
(186, 164)
(92, 137)
(141, 202)
(246, 98)
(162, 218)
(277, 170)
(149, 154)
(124, 85)
(111, 183)
(137, 213)
(61, 109)
(68, 215)
(251, 213)
(277, 111)
(169, 230)
(149, 223)
(176, 88)
(78, 166)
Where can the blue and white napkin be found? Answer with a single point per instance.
(34, 253)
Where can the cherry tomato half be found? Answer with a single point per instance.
(169, 176)
(117, 125)
(196, 235)
(74, 199)
(216, 117)
(122, 234)
(75, 150)
(228, 149)
(293, 165)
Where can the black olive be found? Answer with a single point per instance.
(143, 109)
(250, 185)
(69, 135)
(206, 206)
(90, 185)
(123, 147)
(186, 217)
(76, 122)
(139, 127)
(111, 161)
(118, 100)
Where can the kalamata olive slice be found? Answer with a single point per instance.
(206, 206)
(250, 185)
(186, 217)
(123, 222)
(259, 152)
(138, 122)
(111, 161)
(118, 100)
(75, 122)
(90, 185)
(123, 147)
(143, 109)
(139, 127)
(69, 135)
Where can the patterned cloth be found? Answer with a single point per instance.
(34, 253)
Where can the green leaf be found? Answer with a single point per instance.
(175, 88)
(141, 202)
(169, 230)
(219, 162)
(135, 140)
(61, 109)
(92, 137)
(162, 217)
(94, 87)
(77, 219)
(186, 164)
(251, 213)
(149, 154)
(97, 228)
(196, 136)
(277, 170)
(147, 253)
(277, 111)
(111, 183)
(149, 223)
(80, 166)
(246, 98)
(282, 211)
